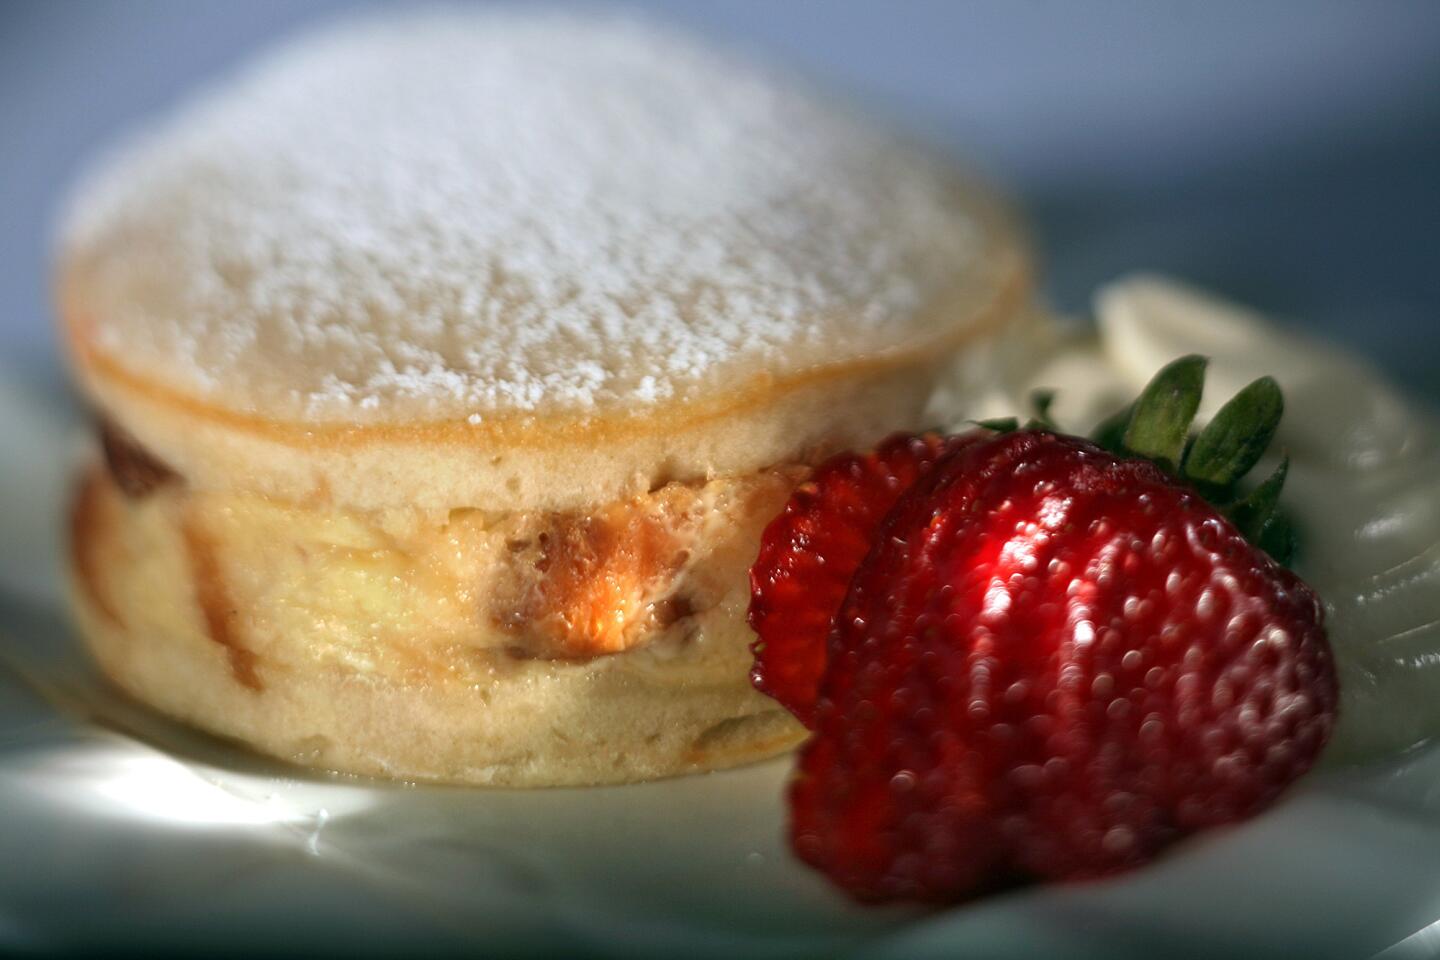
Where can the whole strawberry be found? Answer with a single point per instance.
(1055, 659)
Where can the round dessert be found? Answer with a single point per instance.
(450, 367)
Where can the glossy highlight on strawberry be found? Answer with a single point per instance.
(1026, 656)
(1055, 663)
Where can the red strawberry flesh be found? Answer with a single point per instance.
(809, 553)
(1053, 664)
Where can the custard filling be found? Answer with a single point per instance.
(405, 594)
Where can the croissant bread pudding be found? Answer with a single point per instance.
(447, 370)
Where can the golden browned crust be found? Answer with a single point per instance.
(88, 527)
(137, 471)
(216, 607)
(537, 430)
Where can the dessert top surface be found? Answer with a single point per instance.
(464, 215)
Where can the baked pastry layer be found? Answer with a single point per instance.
(536, 464)
(488, 648)
(526, 260)
(454, 363)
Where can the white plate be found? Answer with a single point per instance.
(123, 831)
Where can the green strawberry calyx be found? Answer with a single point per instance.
(1159, 426)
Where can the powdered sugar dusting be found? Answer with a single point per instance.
(469, 213)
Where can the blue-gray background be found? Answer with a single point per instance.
(1285, 152)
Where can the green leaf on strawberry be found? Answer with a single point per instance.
(1233, 442)
(1157, 427)
(1161, 419)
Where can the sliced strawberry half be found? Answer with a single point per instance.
(1054, 663)
(809, 554)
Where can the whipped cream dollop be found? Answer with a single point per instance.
(1363, 487)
